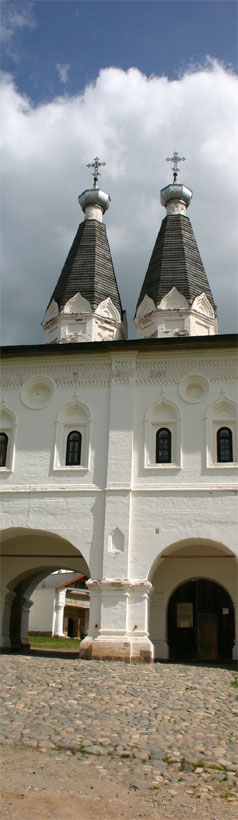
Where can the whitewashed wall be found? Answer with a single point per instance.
(119, 510)
(41, 612)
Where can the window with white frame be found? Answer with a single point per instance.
(73, 448)
(221, 434)
(162, 436)
(7, 438)
(163, 446)
(3, 449)
(72, 438)
(224, 444)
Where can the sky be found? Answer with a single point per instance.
(131, 82)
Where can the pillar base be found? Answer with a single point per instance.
(20, 646)
(127, 649)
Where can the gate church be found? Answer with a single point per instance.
(118, 457)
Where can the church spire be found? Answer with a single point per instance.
(85, 305)
(175, 298)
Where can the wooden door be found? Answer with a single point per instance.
(207, 636)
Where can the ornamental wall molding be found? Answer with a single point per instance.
(153, 372)
(64, 375)
(123, 371)
(69, 374)
(91, 489)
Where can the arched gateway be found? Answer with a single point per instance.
(27, 557)
(201, 622)
(194, 603)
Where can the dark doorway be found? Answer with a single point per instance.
(70, 628)
(201, 622)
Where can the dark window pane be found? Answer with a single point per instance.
(163, 446)
(224, 444)
(3, 449)
(73, 450)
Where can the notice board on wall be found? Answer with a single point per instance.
(185, 616)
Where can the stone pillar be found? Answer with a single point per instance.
(58, 618)
(235, 647)
(162, 647)
(158, 626)
(123, 631)
(112, 641)
(26, 605)
(6, 599)
(141, 648)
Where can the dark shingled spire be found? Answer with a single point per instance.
(175, 262)
(88, 268)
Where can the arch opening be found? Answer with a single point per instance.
(29, 557)
(200, 622)
(193, 606)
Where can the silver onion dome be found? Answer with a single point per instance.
(94, 197)
(176, 198)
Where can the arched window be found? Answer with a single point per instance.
(163, 446)
(73, 449)
(3, 449)
(224, 444)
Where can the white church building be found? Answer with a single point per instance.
(119, 457)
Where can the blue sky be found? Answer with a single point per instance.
(56, 45)
(130, 82)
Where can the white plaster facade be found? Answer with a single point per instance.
(137, 528)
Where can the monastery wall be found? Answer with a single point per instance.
(119, 509)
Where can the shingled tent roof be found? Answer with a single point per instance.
(88, 268)
(175, 262)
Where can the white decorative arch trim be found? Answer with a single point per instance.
(107, 309)
(162, 414)
(146, 306)
(74, 411)
(162, 410)
(51, 312)
(73, 416)
(7, 417)
(223, 406)
(202, 305)
(77, 304)
(173, 300)
(221, 413)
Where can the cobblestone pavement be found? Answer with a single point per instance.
(161, 727)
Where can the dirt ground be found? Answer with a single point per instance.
(37, 786)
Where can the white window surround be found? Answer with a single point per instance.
(222, 413)
(162, 414)
(8, 426)
(74, 416)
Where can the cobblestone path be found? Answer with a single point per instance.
(157, 726)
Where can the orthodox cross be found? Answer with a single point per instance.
(96, 173)
(175, 159)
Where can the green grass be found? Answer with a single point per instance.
(235, 683)
(44, 642)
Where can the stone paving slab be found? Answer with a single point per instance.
(166, 723)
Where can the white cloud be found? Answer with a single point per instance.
(63, 71)
(133, 123)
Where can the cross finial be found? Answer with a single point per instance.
(96, 164)
(175, 159)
